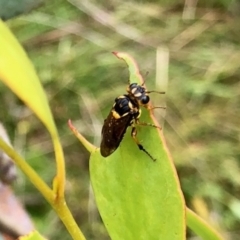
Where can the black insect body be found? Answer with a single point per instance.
(122, 115)
(125, 112)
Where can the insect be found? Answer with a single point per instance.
(125, 112)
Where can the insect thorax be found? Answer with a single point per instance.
(124, 106)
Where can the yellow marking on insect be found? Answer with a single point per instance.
(134, 90)
(122, 97)
(137, 94)
(115, 114)
(130, 105)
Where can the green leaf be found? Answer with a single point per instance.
(137, 197)
(17, 72)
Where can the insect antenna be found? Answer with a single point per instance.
(151, 108)
(155, 92)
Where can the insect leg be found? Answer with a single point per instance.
(140, 146)
(147, 124)
(151, 108)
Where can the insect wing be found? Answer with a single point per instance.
(112, 133)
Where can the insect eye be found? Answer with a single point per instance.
(145, 99)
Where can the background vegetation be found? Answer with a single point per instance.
(70, 44)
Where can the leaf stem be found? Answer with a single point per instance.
(59, 205)
(200, 227)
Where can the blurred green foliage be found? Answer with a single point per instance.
(12, 8)
(70, 44)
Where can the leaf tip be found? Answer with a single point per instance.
(90, 147)
(115, 53)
